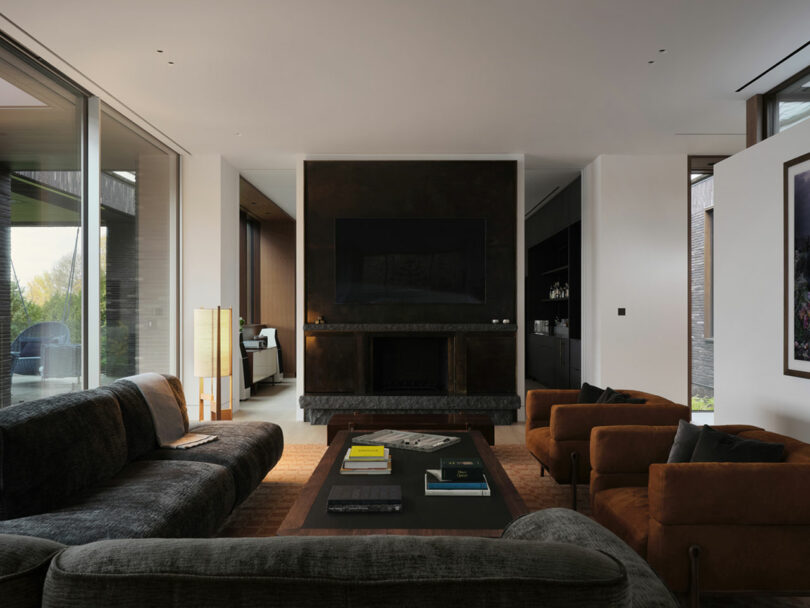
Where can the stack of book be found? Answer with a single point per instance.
(366, 460)
(457, 477)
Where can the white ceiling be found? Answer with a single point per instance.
(260, 81)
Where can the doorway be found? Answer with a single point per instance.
(701, 287)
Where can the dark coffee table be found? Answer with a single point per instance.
(423, 423)
(420, 515)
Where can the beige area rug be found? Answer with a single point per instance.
(262, 513)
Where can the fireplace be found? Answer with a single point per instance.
(410, 365)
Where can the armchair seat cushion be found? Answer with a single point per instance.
(247, 449)
(146, 499)
(626, 511)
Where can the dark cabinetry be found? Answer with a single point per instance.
(553, 361)
(553, 291)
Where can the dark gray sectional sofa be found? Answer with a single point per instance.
(530, 566)
(86, 466)
(92, 514)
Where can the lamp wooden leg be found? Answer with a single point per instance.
(202, 400)
(574, 469)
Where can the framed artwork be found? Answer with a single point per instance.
(797, 267)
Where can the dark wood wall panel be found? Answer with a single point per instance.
(410, 189)
(332, 363)
(490, 364)
(277, 269)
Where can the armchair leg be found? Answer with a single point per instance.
(694, 576)
(574, 468)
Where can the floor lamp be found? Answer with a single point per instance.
(213, 344)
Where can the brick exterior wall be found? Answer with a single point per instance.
(702, 348)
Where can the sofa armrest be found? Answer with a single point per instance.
(730, 493)
(539, 402)
(630, 449)
(575, 421)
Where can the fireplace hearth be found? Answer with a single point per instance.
(409, 365)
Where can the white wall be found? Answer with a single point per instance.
(210, 256)
(749, 384)
(634, 255)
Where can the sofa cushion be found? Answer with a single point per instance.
(686, 439)
(23, 563)
(589, 393)
(247, 449)
(567, 526)
(146, 499)
(360, 571)
(716, 446)
(54, 448)
(625, 511)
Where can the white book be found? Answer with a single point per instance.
(429, 492)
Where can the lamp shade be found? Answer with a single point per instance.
(206, 323)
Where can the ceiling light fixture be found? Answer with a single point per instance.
(651, 61)
(171, 63)
(662, 50)
(159, 51)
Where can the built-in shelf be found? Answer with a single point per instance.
(553, 270)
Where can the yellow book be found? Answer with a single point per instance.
(367, 451)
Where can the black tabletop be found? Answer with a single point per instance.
(418, 510)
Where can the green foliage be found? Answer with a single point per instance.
(702, 404)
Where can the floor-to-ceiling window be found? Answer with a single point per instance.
(138, 200)
(701, 286)
(66, 324)
(41, 189)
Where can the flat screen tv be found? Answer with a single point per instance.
(410, 261)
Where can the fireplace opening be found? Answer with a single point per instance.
(410, 365)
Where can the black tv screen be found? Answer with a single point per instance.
(410, 261)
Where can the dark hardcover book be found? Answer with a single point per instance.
(364, 499)
(462, 469)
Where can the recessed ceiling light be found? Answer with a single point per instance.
(159, 51)
(651, 61)
(662, 50)
(171, 63)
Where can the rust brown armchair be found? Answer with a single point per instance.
(558, 429)
(706, 526)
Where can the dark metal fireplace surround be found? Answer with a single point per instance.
(402, 322)
(409, 365)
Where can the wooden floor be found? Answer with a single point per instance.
(277, 403)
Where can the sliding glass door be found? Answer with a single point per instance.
(41, 190)
(88, 239)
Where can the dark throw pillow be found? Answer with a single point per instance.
(716, 446)
(611, 396)
(589, 393)
(685, 441)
